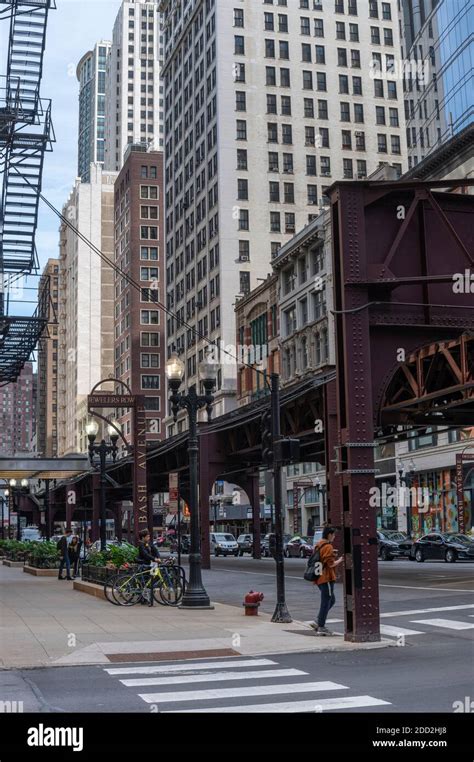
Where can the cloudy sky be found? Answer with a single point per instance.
(73, 28)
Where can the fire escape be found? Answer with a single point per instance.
(26, 133)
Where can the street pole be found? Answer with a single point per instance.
(3, 525)
(195, 595)
(179, 530)
(46, 509)
(281, 613)
(103, 515)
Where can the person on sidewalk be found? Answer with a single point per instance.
(326, 579)
(147, 554)
(63, 547)
(74, 549)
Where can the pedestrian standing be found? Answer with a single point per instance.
(326, 579)
(74, 549)
(63, 546)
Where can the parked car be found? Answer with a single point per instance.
(223, 544)
(30, 533)
(301, 547)
(393, 544)
(265, 544)
(245, 543)
(450, 546)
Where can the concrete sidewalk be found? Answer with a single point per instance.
(44, 622)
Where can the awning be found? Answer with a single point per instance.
(24, 467)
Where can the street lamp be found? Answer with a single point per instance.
(102, 450)
(406, 478)
(195, 595)
(3, 498)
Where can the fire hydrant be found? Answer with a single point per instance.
(252, 602)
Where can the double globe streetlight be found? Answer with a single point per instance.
(195, 595)
(14, 490)
(102, 450)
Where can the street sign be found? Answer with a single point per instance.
(111, 400)
(173, 492)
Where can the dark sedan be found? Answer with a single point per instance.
(299, 547)
(393, 544)
(445, 546)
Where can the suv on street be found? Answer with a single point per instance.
(245, 543)
(223, 544)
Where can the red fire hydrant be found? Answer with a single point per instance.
(252, 602)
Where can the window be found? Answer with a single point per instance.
(341, 57)
(360, 141)
(244, 281)
(345, 112)
(151, 317)
(270, 76)
(320, 54)
(322, 109)
(395, 143)
(284, 78)
(358, 112)
(375, 35)
(378, 88)
(272, 133)
(150, 382)
(269, 22)
(382, 143)
(273, 162)
(312, 194)
(240, 101)
(244, 251)
(388, 36)
(340, 30)
(309, 108)
(150, 339)
(274, 189)
(354, 32)
(149, 360)
(269, 48)
(241, 129)
(243, 219)
(392, 90)
(289, 193)
(305, 27)
(380, 115)
(346, 140)
(287, 134)
(307, 80)
(355, 59)
(242, 189)
(239, 72)
(284, 50)
(321, 80)
(343, 83)
(239, 45)
(347, 169)
(241, 158)
(373, 9)
(306, 52)
(393, 113)
(357, 85)
(238, 17)
(275, 224)
(318, 28)
(311, 165)
(147, 232)
(271, 104)
(148, 252)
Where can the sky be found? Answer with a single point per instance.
(73, 29)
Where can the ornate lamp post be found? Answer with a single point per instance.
(102, 450)
(14, 490)
(195, 595)
(406, 478)
(4, 498)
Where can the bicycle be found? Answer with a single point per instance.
(162, 583)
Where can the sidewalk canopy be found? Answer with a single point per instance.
(24, 467)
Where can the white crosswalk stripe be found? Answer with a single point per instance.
(392, 630)
(320, 705)
(266, 679)
(449, 624)
(216, 677)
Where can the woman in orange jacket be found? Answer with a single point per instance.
(326, 579)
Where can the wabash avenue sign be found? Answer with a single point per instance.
(137, 403)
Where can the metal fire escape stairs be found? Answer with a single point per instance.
(26, 133)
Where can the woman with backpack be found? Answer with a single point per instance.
(326, 579)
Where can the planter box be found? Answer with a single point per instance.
(100, 574)
(40, 572)
(16, 564)
(90, 588)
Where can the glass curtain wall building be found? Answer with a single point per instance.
(91, 139)
(437, 42)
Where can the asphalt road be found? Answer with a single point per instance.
(427, 610)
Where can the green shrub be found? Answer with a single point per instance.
(43, 555)
(115, 555)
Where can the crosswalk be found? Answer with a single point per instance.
(425, 626)
(238, 685)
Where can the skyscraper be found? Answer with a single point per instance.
(134, 93)
(18, 413)
(266, 105)
(438, 35)
(86, 304)
(139, 324)
(91, 136)
(47, 397)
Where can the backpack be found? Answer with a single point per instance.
(314, 567)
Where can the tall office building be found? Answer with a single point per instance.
(134, 94)
(90, 73)
(47, 396)
(438, 35)
(139, 323)
(86, 304)
(266, 105)
(18, 413)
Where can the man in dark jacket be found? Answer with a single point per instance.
(62, 546)
(147, 552)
